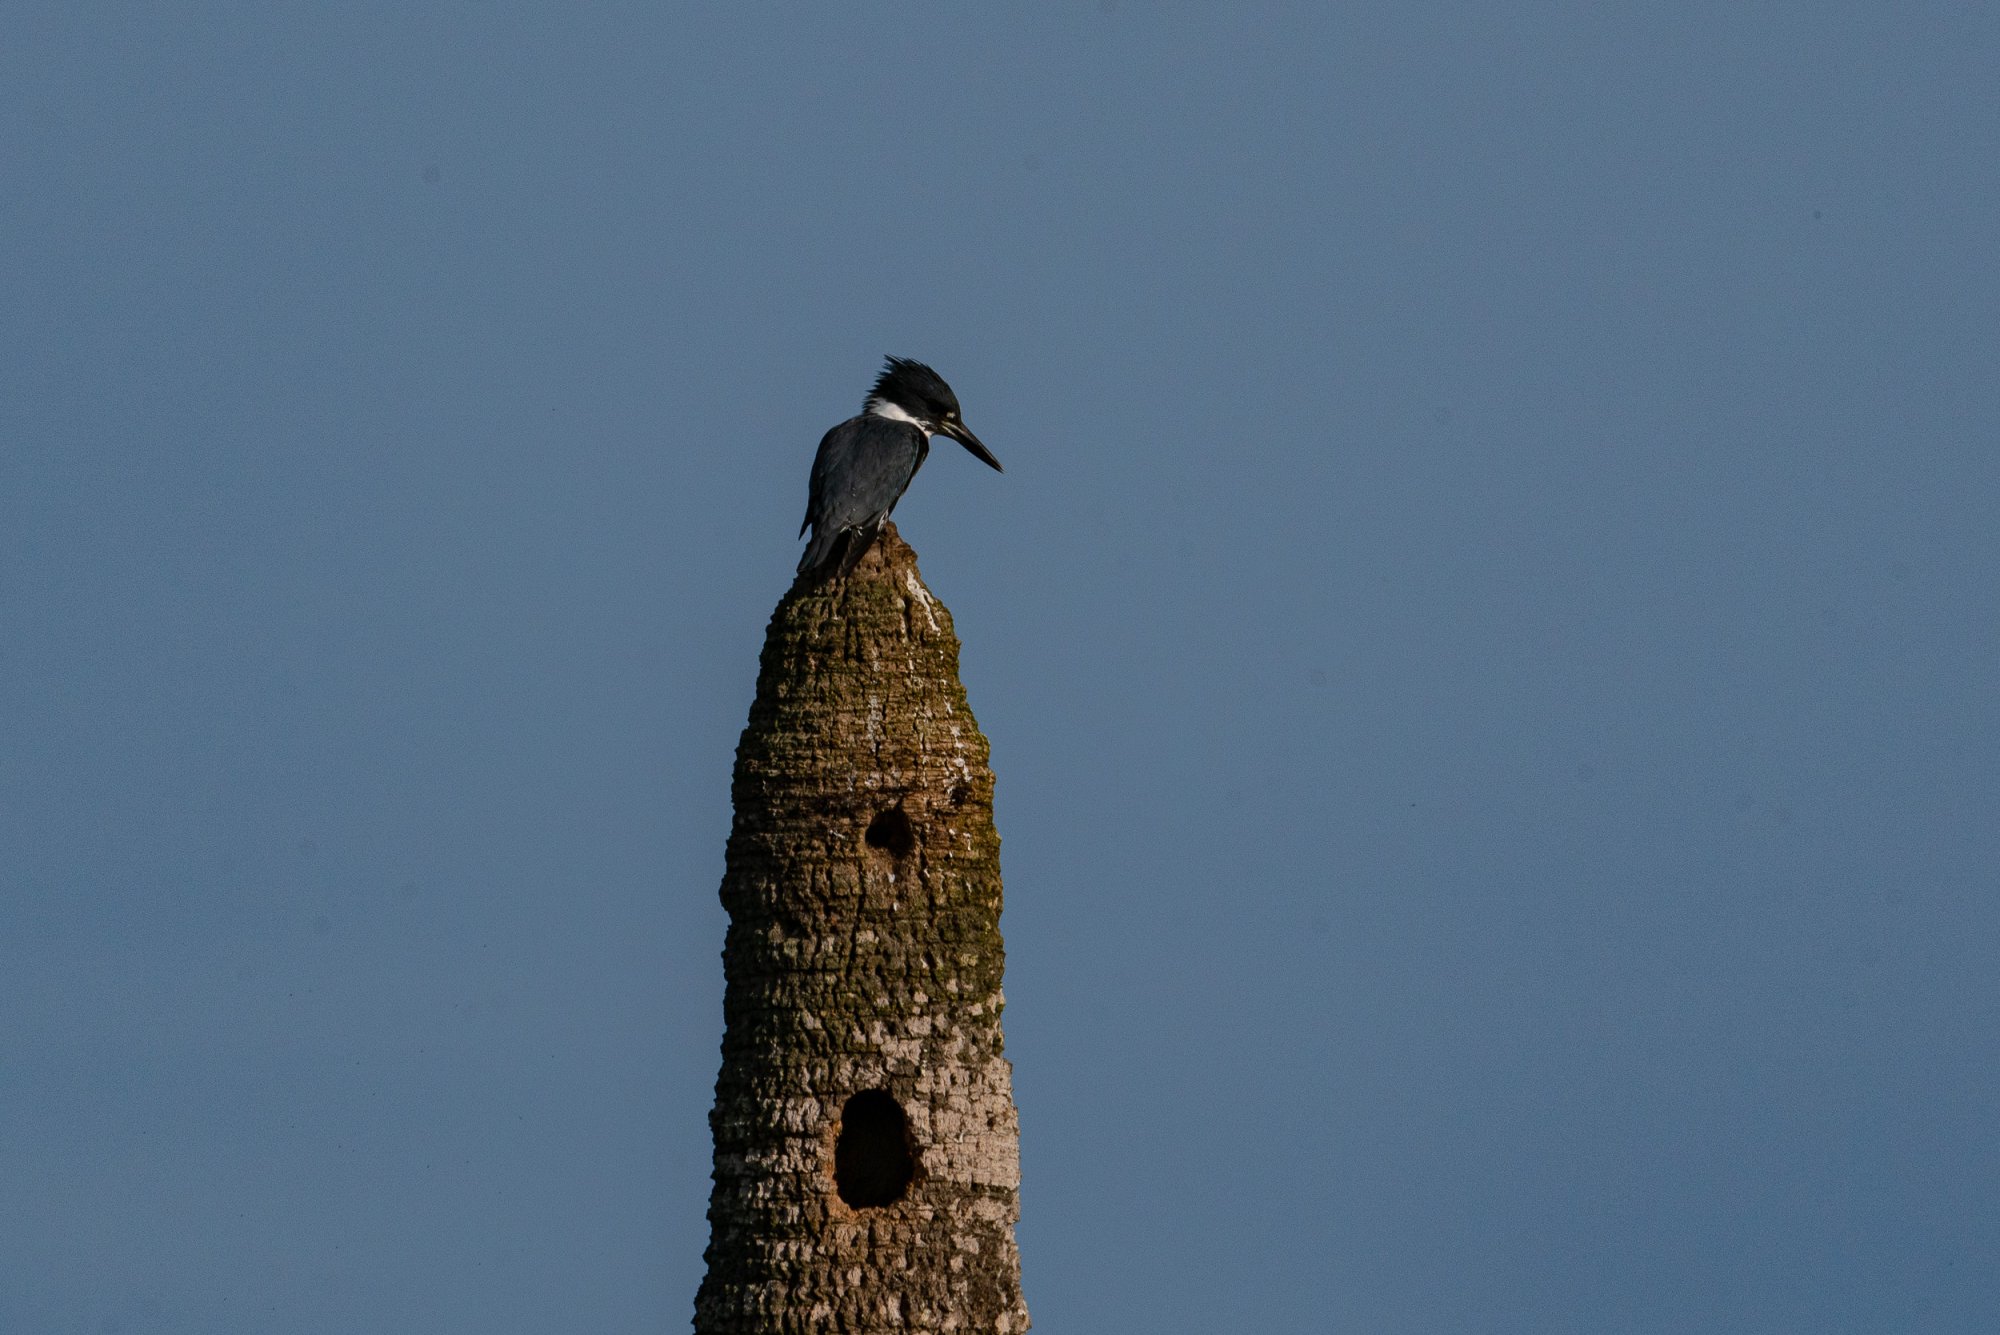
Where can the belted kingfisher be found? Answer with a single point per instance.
(866, 462)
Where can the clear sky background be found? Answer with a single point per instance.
(1490, 634)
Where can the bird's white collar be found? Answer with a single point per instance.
(884, 408)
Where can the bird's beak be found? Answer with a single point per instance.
(961, 433)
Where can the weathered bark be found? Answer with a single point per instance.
(866, 1148)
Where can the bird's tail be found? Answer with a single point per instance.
(833, 552)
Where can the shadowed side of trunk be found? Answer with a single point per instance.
(866, 1147)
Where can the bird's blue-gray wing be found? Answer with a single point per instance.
(861, 470)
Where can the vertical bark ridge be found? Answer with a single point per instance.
(866, 1147)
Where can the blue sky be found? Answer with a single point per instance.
(1489, 632)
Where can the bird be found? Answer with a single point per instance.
(864, 465)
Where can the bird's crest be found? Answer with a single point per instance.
(911, 384)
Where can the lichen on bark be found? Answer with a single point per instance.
(863, 960)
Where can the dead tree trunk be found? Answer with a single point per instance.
(866, 1148)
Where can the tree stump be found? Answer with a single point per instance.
(867, 1166)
